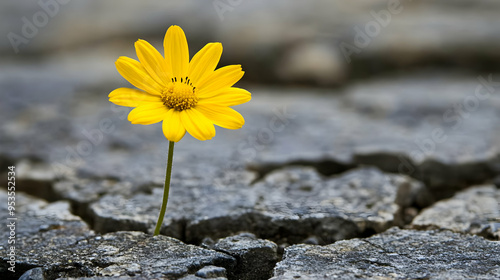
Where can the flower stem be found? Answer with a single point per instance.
(166, 187)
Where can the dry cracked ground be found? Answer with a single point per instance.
(352, 183)
(395, 176)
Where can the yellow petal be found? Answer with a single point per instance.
(148, 113)
(221, 78)
(176, 51)
(172, 126)
(153, 62)
(129, 97)
(135, 73)
(204, 62)
(197, 124)
(222, 116)
(227, 97)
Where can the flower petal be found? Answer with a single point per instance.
(134, 72)
(153, 62)
(176, 51)
(222, 116)
(130, 97)
(172, 126)
(197, 124)
(227, 97)
(221, 78)
(148, 113)
(204, 62)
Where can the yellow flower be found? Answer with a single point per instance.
(186, 95)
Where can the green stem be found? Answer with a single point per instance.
(166, 187)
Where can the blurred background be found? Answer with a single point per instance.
(365, 78)
(318, 43)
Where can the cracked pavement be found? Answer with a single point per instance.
(342, 171)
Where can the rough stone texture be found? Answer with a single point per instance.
(36, 216)
(475, 211)
(255, 258)
(119, 254)
(376, 123)
(294, 204)
(395, 254)
(33, 274)
(211, 272)
(188, 198)
(36, 178)
(82, 192)
(288, 205)
(50, 237)
(38, 224)
(194, 277)
(115, 212)
(436, 129)
(385, 123)
(108, 278)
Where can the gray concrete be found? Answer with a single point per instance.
(395, 254)
(474, 211)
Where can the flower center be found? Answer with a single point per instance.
(179, 94)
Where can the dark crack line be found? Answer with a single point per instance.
(327, 167)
